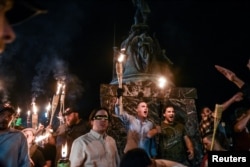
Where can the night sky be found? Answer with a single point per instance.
(77, 37)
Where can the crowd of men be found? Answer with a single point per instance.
(90, 145)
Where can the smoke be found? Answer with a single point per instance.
(42, 50)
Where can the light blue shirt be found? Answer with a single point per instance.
(137, 132)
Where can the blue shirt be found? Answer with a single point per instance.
(137, 133)
(13, 149)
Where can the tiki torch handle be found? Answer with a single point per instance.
(119, 71)
(217, 118)
(53, 107)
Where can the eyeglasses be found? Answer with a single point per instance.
(101, 117)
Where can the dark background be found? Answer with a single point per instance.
(77, 37)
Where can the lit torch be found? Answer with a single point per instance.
(162, 82)
(34, 116)
(18, 112)
(48, 110)
(62, 105)
(55, 102)
(28, 118)
(119, 72)
(64, 161)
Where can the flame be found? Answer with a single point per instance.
(41, 137)
(121, 58)
(18, 110)
(64, 150)
(162, 82)
(34, 108)
(28, 112)
(48, 107)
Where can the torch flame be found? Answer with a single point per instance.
(121, 58)
(41, 137)
(28, 113)
(18, 110)
(64, 150)
(48, 107)
(162, 82)
(34, 107)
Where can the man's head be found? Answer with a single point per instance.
(7, 114)
(205, 112)
(142, 109)
(71, 116)
(169, 114)
(29, 134)
(136, 157)
(207, 142)
(13, 12)
(7, 34)
(99, 120)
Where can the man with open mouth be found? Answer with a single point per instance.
(137, 127)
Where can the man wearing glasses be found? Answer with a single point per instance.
(95, 148)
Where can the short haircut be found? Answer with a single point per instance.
(139, 102)
(9, 108)
(167, 106)
(94, 111)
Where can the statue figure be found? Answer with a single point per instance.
(142, 11)
(139, 51)
(144, 58)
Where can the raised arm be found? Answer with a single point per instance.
(242, 123)
(231, 76)
(119, 105)
(118, 108)
(235, 98)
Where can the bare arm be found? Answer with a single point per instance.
(190, 148)
(118, 108)
(153, 132)
(235, 98)
(230, 76)
(241, 124)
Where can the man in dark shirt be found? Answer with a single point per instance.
(73, 128)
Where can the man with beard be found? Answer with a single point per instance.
(13, 143)
(137, 128)
(73, 128)
(173, 138)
